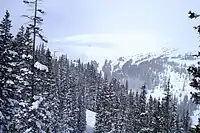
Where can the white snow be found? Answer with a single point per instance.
(30, 56)
(179, 85)
(9, 69)
(38, 124)
(139, 58)
(40, 66)
(12, 52)
(1, 115)
(10, 82)
(195, 116)
(27, 56)
(120, 63)
(24, 69)
(28, 130)
(23, 104)
(36, 104)
(13, 63)
(90, 118)
(180, 88)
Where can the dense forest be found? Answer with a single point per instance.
(41, 93)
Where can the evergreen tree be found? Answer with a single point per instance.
(157, 117)
(41, 98)
(82, 111)
(54, 97)
(81, 98)
(62, 83)
(166, 108)
(6, 83)
(151, 110)
(91, 87)
(143, 112)
(36, 30)
(179, 125)
(197, 128)
(70, 112)
(118, 123)
(174, 118)
(105, 109)
(131, 113)
(137, 113)
(17, 50)
(194, 71)
(123, 108)
(186, 121)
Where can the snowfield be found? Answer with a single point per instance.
(90, 118)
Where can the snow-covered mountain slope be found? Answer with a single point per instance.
(154, 69)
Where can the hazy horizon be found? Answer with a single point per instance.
(110, 29)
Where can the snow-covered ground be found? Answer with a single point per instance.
(195, 117)
(90, 118)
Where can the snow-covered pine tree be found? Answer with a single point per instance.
(26, 70)
(17, 49)
(98, 128)
(194, 71)
(126, 88)
(186, 121)
(40, 106)
(174, 119)
(123, 108)
(137, 113)
(157, 117)
(166, 108)
(91, 87)
(81, 123)
(116, 86)
(62, 83)
(6, 83)
(35, 29)
(179, 125)
(150, 113)
(143, 110)
(99, 89)
(13, 81)
(54, 109)
(67, 96)
(72, 95)
(131, 113)
(21, 76)
(105, 109)
(116, 116)
(49, 89)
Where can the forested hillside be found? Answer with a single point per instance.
(43, 93)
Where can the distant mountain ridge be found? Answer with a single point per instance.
(153, 69)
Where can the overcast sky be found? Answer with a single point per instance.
(99, 29)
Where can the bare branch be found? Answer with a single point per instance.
(43, 38)
(28, 2)
(41, 11)
(29, 17)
